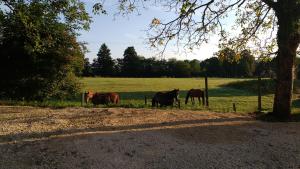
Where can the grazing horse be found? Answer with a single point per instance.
(105, 98)
(88, 96)
(195, 93)
(165, 98)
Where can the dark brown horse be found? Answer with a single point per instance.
(165, 98)
(195, 93)
(105, 98)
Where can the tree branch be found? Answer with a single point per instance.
(270, 3)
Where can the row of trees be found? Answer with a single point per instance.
(225, 63)
(133, 65)
(228, 63)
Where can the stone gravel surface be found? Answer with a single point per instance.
(122, 138)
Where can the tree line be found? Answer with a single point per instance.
(224, 63)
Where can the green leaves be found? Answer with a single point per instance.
(40, 55)
(99, 9)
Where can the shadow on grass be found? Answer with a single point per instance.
(215, 92)
(267, 86)
(126, 96)
(136, 100)
(296, 103)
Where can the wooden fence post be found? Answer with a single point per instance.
(206, 92)
(145, 100)
(82, 98)
(234, 107)
(259, 94)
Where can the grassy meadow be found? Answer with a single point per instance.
(223, 92)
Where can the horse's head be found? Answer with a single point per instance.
(88, 95)
(176, 93)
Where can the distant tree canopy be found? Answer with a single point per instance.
(87, 71)
(195, 67)
(39, 54)
(225, 63)
(104, 64)
(131, 63)
(212, 67)
(246, 64)
(236, 64)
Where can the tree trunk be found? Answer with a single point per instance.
(288, 37)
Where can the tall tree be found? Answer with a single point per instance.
(104, 65)
(171, 68)
(195, 67)
(246, 64)
(212, 67)
(87, 70)
(298, 72)
(265, 67)
(197, 20)
(182, 69)
(131, 63)
(229, 60)
(298, 67)
(39, 53)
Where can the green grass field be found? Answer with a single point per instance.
(221, 98)
(223, 92)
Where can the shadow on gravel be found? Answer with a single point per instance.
(37, 135)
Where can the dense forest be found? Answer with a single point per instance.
(224, 63)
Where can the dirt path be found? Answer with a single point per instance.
(143, 138)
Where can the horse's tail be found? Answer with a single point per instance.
(187, 97)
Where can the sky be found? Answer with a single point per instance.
(120, 32)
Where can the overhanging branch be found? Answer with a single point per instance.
(270, 3)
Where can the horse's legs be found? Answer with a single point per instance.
(193, 100)
(199, 100)
(116, 99)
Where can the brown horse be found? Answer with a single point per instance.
(88, 96)
(165, 98)
(195, 93)
(105, 98)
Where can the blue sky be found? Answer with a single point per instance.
(120, 32)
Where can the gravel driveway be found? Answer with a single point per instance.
(122, 138)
